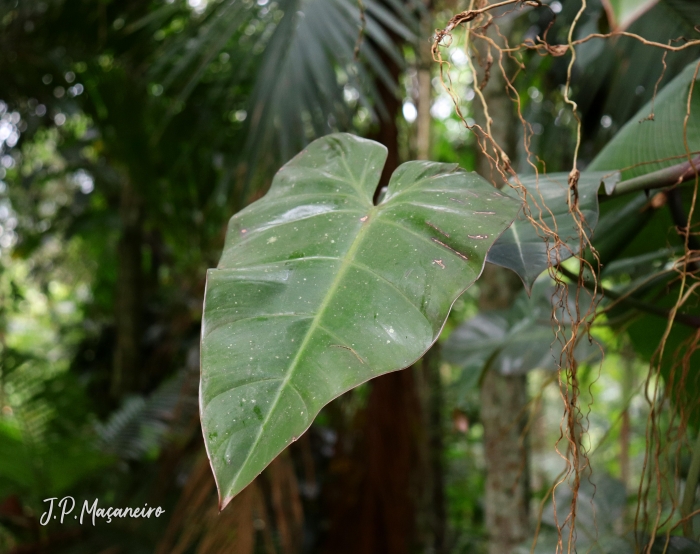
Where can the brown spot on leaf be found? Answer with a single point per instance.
(437, 229)
(351, 350)
(450, 249)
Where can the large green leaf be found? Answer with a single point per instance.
(319, 290)
(529, 251)
(660, 140)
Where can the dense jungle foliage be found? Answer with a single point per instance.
(163, 160)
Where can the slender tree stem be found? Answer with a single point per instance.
(691, 484)
(685, 319)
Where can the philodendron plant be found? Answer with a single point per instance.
(319, 290)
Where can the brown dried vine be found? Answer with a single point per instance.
(476, 20)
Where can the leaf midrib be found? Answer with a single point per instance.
(353, 263)
(345, 265)
(518, 242)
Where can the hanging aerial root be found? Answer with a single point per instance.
(477, 20)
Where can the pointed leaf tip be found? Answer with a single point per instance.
(526, 249)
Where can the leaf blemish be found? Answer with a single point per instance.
(450, 248)
(437, 229)
(485, 213)
(439, 262)
(478, 236)
(351, 350)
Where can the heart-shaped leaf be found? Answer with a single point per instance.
(318, 290)
(528, 250)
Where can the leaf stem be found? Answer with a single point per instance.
(666, 177)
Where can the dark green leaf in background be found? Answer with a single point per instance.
(519, 339)
(601, 505)
(523, 247)
(675, 545)
(319, 290)
(659, 140)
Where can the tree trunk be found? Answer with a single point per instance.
(506, 461)
(503, 415)
(431, 513)
(128, 295)
(382, 504)
(628, 385)
(425, 86)
(503, 397)
(375, 499)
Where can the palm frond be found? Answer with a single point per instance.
(142, 424)
(300, 56)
